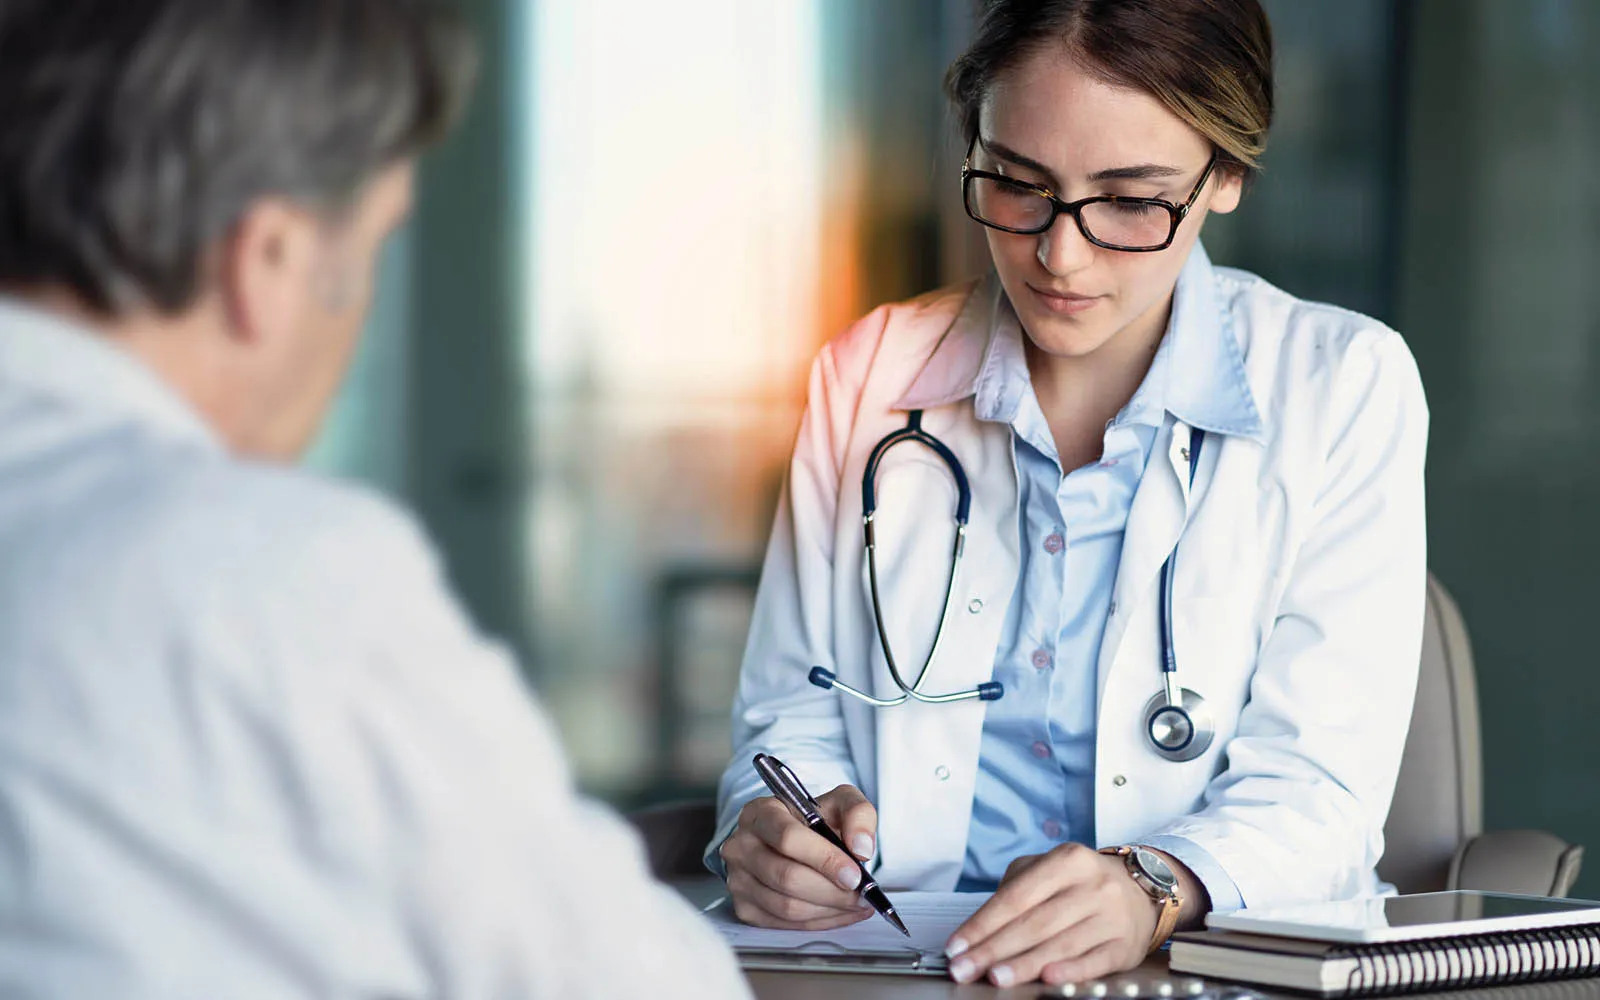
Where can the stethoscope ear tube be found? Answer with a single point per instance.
(913, 431)
(989, 690)
(826, 680)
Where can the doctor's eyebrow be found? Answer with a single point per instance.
(1005, 152)
(1142, 172)
(1138, 172)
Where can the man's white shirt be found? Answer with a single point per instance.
(251, 747)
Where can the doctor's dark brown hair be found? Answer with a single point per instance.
(134, 134)
(1208, 61)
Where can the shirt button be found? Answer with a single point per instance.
(1042, 659)
(975, 605)
(1052, 829)
(1119, 781)
(1041, 749)
(1054, 543)
(942, 773)
(1112, 610)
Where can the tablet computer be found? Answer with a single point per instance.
(1409, 918)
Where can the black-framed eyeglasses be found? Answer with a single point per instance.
(1114, 222)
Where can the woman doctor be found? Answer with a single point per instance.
(1185, 620)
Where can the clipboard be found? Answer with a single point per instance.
(868, 947)
(826, 956)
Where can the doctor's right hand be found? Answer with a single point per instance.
(782, 874)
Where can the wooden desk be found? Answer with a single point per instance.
(838, 986)
(844, 986)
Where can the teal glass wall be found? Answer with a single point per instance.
(1499, 296)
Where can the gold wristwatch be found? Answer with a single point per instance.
(1155, 877)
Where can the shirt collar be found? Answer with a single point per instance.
(1207, 386)
(42, 351)
(1003, 377)
(1198, 373)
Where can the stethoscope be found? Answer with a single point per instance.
(1177, 721)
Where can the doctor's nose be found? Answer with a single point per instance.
(1063, 248)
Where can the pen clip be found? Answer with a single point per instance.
(785, 784)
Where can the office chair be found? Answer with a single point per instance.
(1435, 832)
(675, 835)
(1435, 828)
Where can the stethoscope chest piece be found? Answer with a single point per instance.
(1179, 732)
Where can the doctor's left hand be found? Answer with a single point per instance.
(1064, 916)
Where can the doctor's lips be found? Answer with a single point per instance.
(1064, 303)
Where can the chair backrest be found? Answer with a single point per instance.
(675, 835)
(1438, 800)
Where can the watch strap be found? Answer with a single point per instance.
(1170, 904)
(1166, 922)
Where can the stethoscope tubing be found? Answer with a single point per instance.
(1177, 721)
(989, 690)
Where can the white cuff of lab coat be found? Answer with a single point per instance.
(1224, 892)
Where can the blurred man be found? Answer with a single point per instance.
(249, 745)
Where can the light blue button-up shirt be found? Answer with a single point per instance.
(1035, 787)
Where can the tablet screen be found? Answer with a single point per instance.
(1401, 918)
(1447, 907)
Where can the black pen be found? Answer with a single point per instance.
(788, 789)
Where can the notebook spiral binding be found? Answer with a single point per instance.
(1475, 960)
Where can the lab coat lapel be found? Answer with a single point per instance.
(1155, 523)
(927, 754)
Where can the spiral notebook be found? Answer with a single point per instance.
(1398, 944)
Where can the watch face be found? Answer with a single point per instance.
(1154, 869)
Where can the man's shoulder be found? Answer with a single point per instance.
(285, 504)
(249, 528)
(183, 570)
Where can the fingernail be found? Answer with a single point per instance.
(848, 877)
(1002, 975)
(861, 843)
(955, 948)
(963, 970)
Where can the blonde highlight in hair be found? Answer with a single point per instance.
(1208, 61)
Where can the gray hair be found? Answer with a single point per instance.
(134, 134)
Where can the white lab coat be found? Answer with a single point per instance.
(251, 749)
(1297, 611)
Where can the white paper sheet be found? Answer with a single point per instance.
(931, 917)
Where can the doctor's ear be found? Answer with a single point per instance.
(1231, 179)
